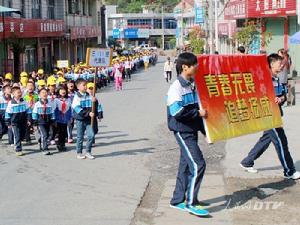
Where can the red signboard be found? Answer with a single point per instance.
(271, 8)
(28, 28)
(223, 29)
(238, 93)
(235, 9)
(78, 32)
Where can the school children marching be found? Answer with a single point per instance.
(48, 107)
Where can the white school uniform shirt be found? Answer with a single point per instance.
(168, 66)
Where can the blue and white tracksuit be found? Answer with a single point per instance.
(17, 115)
(82, 106)
(184, 120)
(3, 127)
(277, 137)
(43, 116)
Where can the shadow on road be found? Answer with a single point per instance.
(240, 198)
(101, 144)
(110, 136)
(126, 152)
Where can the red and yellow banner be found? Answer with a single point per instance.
(238, 93)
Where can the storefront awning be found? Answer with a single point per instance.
(6, 9)
(295, 39)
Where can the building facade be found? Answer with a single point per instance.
(46, 31)
(277, 17)
(133, 29)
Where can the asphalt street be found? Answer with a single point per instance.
(62, 190)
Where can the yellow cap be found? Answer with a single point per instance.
(76, 70)
(90, 85)
(60, 73)
(41, 83)
(8, 76)
(24, 81)
(23, 74)
(40, 71)
(61, 80)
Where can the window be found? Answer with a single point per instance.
(157, 24)
(36, 9)
(90, 7)
(170, 24)
(51, 12)
(139, 22)
(72, 4)
(7, 3)
(83, 7)
(23, 9)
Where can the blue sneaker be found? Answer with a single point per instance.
(180, 206)
(197, 211)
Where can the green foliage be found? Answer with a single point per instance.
(196, 41)
(172, 43)
(249, 33)
(135, 6)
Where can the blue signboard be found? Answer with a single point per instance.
(116, 33)
(199, 15)
(131, 33)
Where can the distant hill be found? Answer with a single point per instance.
(134, 6)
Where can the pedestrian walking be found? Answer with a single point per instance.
(185, 120)
(43, 117)
(63, 115)
(82, 108)
(168, 68)
(118, 76)
(17, 118)
(277, 135)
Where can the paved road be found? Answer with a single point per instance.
(61, 190)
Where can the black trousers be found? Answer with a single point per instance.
(62, 131)
(278, 138)
(191, 169)
(168, 76)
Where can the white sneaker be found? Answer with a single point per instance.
(249, 169)
(295, 176)
(89, 156)
(80, 156)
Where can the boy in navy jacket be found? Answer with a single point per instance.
(43, 116)
(17, 117)
(277, 135)
(185, 120)
(82, 109)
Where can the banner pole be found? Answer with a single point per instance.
(94, 94)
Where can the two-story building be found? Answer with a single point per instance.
(46, 31)
(149, 27)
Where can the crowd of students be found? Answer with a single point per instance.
(49, 106)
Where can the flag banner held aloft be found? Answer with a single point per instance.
(98, 57)
(238, 93)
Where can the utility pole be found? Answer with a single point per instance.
(216, 26)
(182, 26)
(210, 16)
(163, 28)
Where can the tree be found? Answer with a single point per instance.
(249, 33)
(172, 43)
(195, 38)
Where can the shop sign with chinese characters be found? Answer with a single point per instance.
(239, 95)
(30, 28)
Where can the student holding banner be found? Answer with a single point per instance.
(185, 120)
(276, 136)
